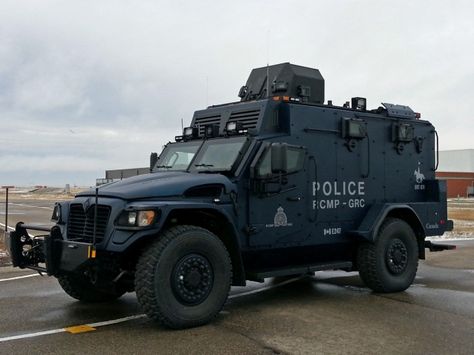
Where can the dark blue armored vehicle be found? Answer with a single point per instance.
(276, 184)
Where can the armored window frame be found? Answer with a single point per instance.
(264, 157)
(245, 142)
(403, 132)
(175, 146)
(353, 128)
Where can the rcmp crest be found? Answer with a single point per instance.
(280, 219)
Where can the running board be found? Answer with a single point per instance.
(298, 270)
(438, 247)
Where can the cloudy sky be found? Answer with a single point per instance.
(87, 86)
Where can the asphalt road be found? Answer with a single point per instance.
(33, 211)
(331, 312)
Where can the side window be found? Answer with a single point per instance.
(264, 168)
(294, 161)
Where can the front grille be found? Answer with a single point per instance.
(249, 119)
(204, 121)
(80, 225)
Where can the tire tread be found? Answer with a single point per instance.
(367, 262)
(144, 278)
(82, 290)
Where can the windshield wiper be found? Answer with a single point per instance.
(163, 166)
(204, 165)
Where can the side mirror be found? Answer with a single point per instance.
(278, 158)
(153, 160)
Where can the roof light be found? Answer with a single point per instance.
(211, 130)
(190, 133)
(359, 103)
(234, 127)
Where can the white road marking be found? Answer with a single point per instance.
(115, 321)
(25, 205)
(11, 228)
(19, 277)
(129, 318)
(32, 335)
(63, 330)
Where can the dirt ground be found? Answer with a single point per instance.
(49, 194)
(461, 211)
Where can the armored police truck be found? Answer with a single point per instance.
(278, 183)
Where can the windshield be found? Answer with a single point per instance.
(218, 154)
(177, 156)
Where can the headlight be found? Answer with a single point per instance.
(137, 218)
(56, 217)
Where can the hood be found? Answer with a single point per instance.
(160, 184)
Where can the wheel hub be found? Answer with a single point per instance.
(397, 256)
(192, 279)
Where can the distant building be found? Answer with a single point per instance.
(120, 174)
(457, 168)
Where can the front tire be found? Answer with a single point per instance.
(80, 288)
(184, 277)
(389, 264)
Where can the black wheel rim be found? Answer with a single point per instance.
(396, 256)
(192, 279)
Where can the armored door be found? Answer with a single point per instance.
(278, 201)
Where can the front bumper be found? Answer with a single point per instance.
(49, 252)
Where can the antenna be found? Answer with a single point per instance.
(268, 81)
(268, 60)
(182, 125)
(207, 91)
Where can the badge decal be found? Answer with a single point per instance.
(280, 219)
(419, 178)
(419, 175)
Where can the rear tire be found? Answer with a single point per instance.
(80, 288)
(389, 264)
(183, 279)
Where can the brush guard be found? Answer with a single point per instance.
(47, 253)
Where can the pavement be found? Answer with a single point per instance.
(329, 313)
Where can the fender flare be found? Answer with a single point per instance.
(230, 239)
(370, 225)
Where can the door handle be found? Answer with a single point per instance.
(294, 199)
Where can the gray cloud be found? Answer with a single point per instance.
(88, 86)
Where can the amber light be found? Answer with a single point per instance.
(145, 218)
(137, 218)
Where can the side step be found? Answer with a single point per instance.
(438, 247)
(298, 270)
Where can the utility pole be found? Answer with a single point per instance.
(7, 188)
